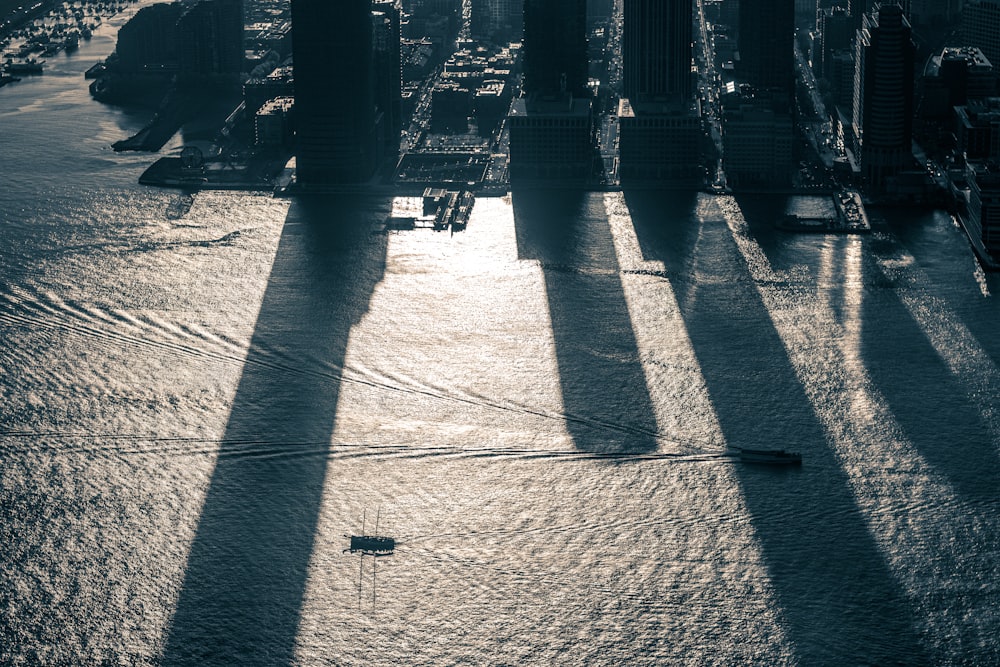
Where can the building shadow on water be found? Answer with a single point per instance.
(245, 579)
(931, 405)
(838, 601)
(605, 397)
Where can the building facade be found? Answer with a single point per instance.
(551, 124)
(210, 41)
(656, 49)
(981, 27)
(555, 47)
(983, 216)
(336, 140)
(766, 45)
(658, 143)
(883, 96)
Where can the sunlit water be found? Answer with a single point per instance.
(198, 404)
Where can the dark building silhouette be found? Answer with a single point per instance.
(883, 96)
(210, 41)
(981, 27)
(952, 78)
(766, 47)
(336, 140)
(555, 46)
(388, 73)
(551, 125)
(148, 42)
(659, 126)
(858, 9)
(834, 33)
(656, 45)
(599, 10)
(498, 21)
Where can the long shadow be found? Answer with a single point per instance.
(605, 396)
(928, 401)
(838, 601)
(246, 573)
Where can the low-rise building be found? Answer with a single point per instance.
(273, 122)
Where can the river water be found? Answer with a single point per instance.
(202, 395)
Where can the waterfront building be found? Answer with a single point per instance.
(490, 104)
(210, 42)
(551, 139)
(883, 96)
(336, 140)
(551, 135)
(659, 125)
(656, 49)
(983, 217)
(659, 142)
(757, 143)
(766, 46)
(147, 43)
(981, 27)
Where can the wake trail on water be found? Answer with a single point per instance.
(117, 444)
(112, 329)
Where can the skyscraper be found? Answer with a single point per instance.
(883, 95)
(388, 75)
(656, 46)
(658, 125)
(555, 46)
(334, 91)
(210, 41)
(551, 124)
(981, 27)
(767, 52)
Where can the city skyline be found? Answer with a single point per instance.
(546, 378)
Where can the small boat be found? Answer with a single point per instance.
(769, 456)
(372, 545)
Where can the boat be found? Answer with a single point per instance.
(372, 545)
(769, 456)
(460, 213)
(28, 66)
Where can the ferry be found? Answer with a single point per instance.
(769, 456)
